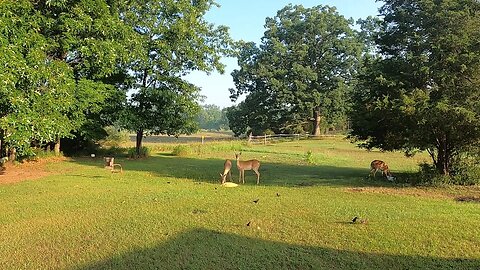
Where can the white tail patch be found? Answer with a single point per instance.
(227, 167)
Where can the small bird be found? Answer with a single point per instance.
(278, 195)
(248, 224)
(354, 219)
(256, 201)
(168, 182)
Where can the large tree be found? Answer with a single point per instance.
(212, 117)
(173, 39)
(53, 57)
(301, 71)
(423, 91)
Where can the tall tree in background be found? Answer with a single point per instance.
(300, 73)
(212, 117)
(53, 58)
(173, 39)
(423, 92)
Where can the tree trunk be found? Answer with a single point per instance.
(12, 155)
(316, 122)
(444, 157)
(56, 148)
(138, 146)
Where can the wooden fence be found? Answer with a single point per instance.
(268, 139)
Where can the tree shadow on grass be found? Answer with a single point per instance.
(280, 174)
(207, 249)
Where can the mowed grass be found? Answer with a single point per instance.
(170, 212)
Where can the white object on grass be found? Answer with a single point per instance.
(92, 155)
(229, 184)
(390, 178)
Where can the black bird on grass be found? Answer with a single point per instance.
(357, 220)
(256, 201)
(248, 224)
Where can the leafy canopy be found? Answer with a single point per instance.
(300, 71)
(172, 39)
(423, 91)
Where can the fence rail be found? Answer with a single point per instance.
(263, 139)
(266, 139)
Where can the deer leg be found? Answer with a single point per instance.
(230, 175)
(258, 176)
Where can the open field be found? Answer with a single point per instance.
(169, 212)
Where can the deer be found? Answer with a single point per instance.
(248, 165)
(227, 166)
(379, 165)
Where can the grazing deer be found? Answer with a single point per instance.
(379, 165)
(252, 164)
(226, 171)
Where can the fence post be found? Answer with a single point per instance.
(203, 139)
(265, 139)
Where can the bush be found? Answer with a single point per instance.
(465, 172)
(144, 152)
(182, 150)
(112, 151)
(467, 169)
(115, 137)
(428, 175)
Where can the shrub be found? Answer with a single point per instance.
(467, 169)
(115, 137)
(309, 157)
(428, 175)
(144, 152)
(182, 150)
(112, 151)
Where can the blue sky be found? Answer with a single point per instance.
(246, 19)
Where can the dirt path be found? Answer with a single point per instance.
(32, 170)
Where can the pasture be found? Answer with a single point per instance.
(170, 212)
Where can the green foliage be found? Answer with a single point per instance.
(237, 119)
(429, 176)
(144, 152)
(115, 137)
(211, 117)
(309, 157)
(171, 40)
(111, 151)
(53, 59)
(422, 92)
(182, 150)
(300, 73)
(467, 167)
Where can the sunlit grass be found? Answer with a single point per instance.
(169, 212)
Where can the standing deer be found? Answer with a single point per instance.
(252, 164)
(379, 165)
(227, 166)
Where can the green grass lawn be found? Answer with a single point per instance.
(170, 212)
